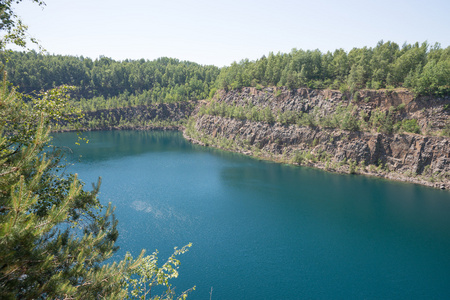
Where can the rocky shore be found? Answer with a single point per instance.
(422, 158)
(419, 158)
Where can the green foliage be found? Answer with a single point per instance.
(14, 31)
(212, 92)
(400, 107)
(446, 107)
(345, 118)
(446, 130)
(381, 121)
(277, 93)
(246, 112)
(106, 83)
(343, 88)
(298, 157)
(305, 156)
(268, 116)
(352, 167)
(288, 117)
(410, 125)
(149, 116)
(140, 280)
(420, 67)
(307, 119)
(355, 96)
(38, 256)
(435, 78)
(54, 236)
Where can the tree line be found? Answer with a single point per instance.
(161, 80)
(104, 82)
(422, 68)
(54, 235)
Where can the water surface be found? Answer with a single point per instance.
(263, 230)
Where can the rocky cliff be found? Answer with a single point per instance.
(156, 116)
(368, 149)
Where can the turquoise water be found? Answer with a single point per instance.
(262, 230)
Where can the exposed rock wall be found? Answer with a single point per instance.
(164, 111)
(423, 159)
(432, 113)
(163, 116)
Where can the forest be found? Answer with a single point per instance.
(104, 83)
(56, 238)
(422, 68)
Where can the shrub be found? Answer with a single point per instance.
(446, 130)
(381, 121)
(401, 107)
(410, 125)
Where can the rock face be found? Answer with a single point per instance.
(432, 113)
(164, 116)
(164, 111)
(423, 159)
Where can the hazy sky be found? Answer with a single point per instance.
(220, 32)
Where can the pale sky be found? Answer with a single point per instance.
(219, 32)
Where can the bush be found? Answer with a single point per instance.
(446, 130)
(410, 125)
(381, 121)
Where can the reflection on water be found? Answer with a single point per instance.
(265, 230)
(116, 144)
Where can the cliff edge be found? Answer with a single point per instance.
(390, 134)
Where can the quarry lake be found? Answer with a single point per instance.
(262, 230)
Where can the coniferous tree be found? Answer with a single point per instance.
(54, 236)
(47, 247)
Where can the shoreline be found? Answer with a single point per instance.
(343, 169)
(111, 128)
